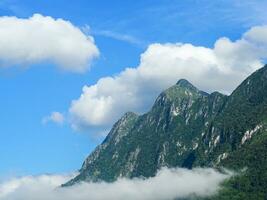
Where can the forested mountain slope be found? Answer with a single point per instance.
(187, 127)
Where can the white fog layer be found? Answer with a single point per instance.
(167, 184)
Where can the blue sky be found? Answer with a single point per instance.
(122, 30)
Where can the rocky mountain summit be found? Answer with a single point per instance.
(187, 127)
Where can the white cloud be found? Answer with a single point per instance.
(55, 117)
(42, 38)
(168, 184)
(220, 68)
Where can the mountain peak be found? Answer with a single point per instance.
(185, 84)
(183, 89)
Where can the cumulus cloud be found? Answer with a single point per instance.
(43, 38)
(168, 184)
(219, 68)
(55, 117)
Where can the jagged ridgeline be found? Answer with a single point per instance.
(187, 127)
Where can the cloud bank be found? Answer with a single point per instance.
(220, 68)
(167, 185)
(43, 38)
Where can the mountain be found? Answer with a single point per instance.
(187, 127)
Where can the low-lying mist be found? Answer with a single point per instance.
(168, 184)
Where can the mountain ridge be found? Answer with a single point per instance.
(185, 127)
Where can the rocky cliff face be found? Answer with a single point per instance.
(185, 127)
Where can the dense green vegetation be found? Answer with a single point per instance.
(251, 164)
